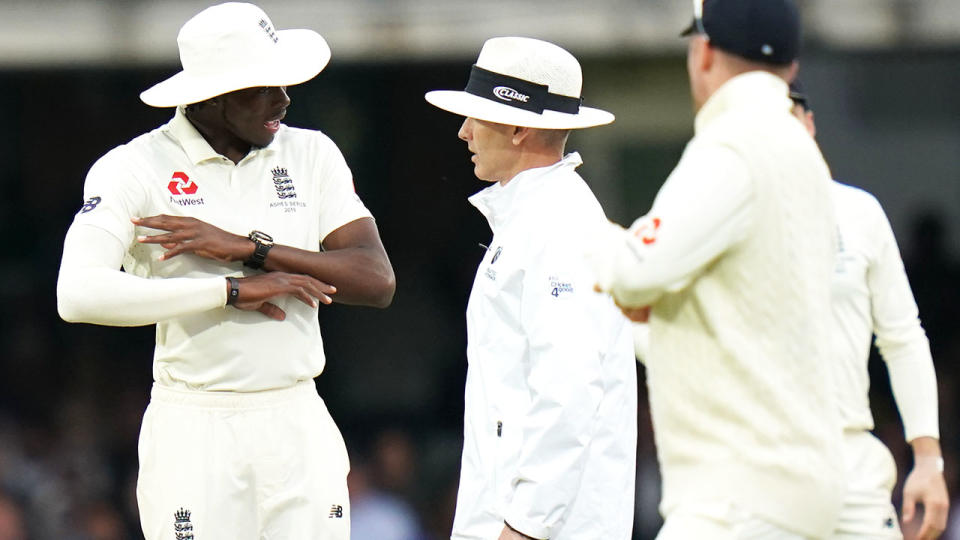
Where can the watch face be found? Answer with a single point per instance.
(261, 237)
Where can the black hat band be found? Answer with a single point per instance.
(518, 93)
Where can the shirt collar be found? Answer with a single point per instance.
(753, 90)
(195, 146)
(497, 201)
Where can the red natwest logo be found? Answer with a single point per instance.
(646, 233)
(182, 184)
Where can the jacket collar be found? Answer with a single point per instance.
(752, 90)
(195, 146)
(498, 201)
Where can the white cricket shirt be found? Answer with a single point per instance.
(871, 295)
(298, 189)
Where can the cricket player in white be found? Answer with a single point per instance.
(733, 265)
(872, 296)
(550, 402)
(218, 218)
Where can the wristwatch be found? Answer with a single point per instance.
(263, 243)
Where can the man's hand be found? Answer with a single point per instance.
(190, 235)
(637, 314)
(925, 485)
(509, 534)
(256, 291)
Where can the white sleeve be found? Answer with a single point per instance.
(901, 339)
(558, 311)
(704, 208)
(338, 200)
(112, 195)
(92, 289)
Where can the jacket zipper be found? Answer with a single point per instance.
(499, 428)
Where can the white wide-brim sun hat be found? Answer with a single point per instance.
(525, 82)
(233, 46)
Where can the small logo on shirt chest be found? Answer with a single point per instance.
(182, 528)
(283, 184)
(286, 191)
(558, 286)
(181, 187)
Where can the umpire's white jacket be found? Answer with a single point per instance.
(550, 421)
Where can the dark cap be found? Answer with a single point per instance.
(799, 95)
(761, 30)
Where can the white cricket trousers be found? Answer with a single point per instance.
(871, 474)
(265, 465)
(719, 520)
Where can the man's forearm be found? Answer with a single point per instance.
(361, 275)
(927, 449)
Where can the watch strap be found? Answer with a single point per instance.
(262, 244)
(234, 291)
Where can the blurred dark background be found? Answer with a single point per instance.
(72, 396)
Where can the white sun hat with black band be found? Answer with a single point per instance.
(523, 82)
(233, 46)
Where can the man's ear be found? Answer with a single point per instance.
(811, 125)
(519, 134)
(707, 56)
(794, 69)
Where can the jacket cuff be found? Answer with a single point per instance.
(526, 526)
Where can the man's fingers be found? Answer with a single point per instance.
(927, 531)
(637, 314)
(272, 311)
(909, 507)
(174, 237)
(175, 250)
(302, 295)
(156, 239)
(321, 291)
(152, 222)
(934, 520)
(316, 288)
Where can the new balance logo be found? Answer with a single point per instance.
(90, 204)
(336, 511)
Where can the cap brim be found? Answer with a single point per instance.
(299, 56)
(466, 104)
(690, 30)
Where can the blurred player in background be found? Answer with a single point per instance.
(551, 404)
(871, 296)
(732, 267)
(218, 218)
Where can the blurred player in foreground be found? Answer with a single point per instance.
(551, 400)
(218, 218)
(871, 296)
(732, 266)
